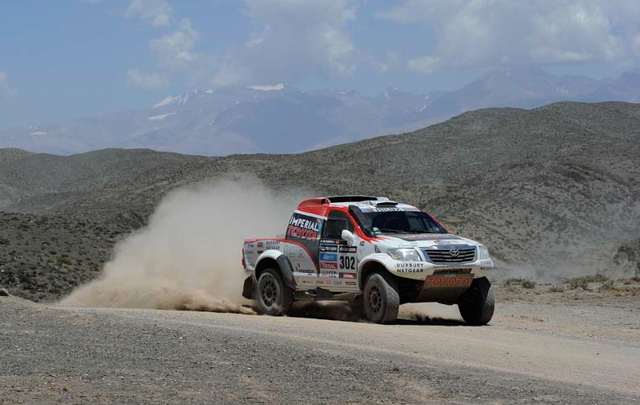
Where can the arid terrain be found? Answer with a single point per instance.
(543, 346)
(553, 192)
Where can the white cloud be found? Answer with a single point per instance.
(157, 12)
(5, 87)
(388, 64)
(514, 32)
(148, 81)
(426, 65)
(295, 39)
(175, 50)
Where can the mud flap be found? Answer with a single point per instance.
(287, 271)
(249, 287)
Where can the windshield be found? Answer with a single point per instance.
(401, 222)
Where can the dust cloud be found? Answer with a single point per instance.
(188, 257)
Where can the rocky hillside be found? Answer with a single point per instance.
(45, 256)
(553, 191)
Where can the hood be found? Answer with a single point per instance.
(425, 240)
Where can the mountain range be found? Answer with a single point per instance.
(285, 119)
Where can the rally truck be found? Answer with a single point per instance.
(367, 250)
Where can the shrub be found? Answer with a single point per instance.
(556, 289)
(523, 282)
(579, 282)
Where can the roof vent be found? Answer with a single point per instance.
(387, 203)
(350, 198)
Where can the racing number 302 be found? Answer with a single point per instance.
(347, 262)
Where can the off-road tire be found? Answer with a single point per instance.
(273, 296)
(477, 310)
(381, 300)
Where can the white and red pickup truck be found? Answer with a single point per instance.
(371, 249)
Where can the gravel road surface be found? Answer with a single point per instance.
(533, 352)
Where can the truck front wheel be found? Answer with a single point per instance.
(274, 297)
(477, 308)
(381, 299)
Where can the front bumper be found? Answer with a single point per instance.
(422, 270)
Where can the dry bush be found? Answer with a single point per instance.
(523, 282)
(579, 282)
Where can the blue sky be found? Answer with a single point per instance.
(71, 58)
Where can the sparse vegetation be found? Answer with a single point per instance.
(51, 261)
(540, 197)
(583, 282)
(523, 282)
(556, 289)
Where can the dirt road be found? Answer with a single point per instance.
(533, 352)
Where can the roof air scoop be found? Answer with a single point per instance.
(387, 204)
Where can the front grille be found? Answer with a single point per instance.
(445, 256)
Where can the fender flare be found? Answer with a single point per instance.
(284, 265)
(376, 259)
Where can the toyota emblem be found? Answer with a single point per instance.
(454, 252)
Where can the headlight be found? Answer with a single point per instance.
(405, 255)
(483, 253)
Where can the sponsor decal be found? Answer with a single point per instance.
(376, 248)
(304, 227)
(486, 264)
(348, 249)
(260, 244)
(387, 209)
(443, 281)
(348, 275)
(328, 257)
(409, 267)
(273, 244)
(329, 265)
(362, 243)
(337, 283)
(330, 274)
(260, 251)
(452, 271)
(454, 266)
(328, 248)
(350, 282)
(305, 271)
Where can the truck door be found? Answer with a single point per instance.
(337, 262)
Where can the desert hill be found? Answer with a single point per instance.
(552, 191)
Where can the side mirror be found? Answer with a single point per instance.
(348, 236)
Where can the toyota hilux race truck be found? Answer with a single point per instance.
(367, 250)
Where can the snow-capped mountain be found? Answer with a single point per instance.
(283, 119)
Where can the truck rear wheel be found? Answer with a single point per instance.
(273, 296)
(381, 299)
(476, 308)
